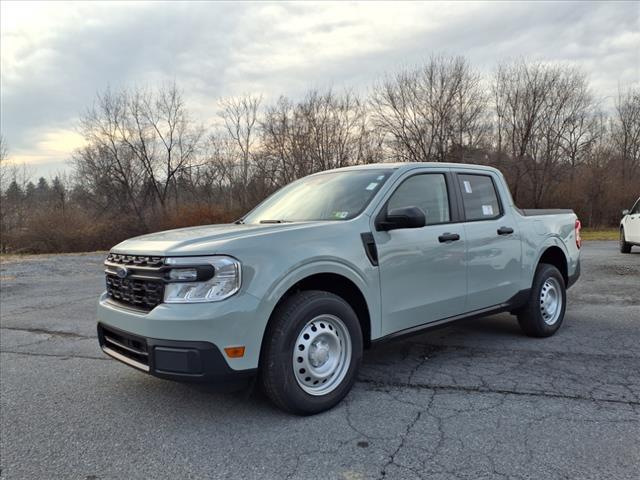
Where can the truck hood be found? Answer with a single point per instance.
(204, 240)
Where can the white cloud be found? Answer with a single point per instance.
(56, 56)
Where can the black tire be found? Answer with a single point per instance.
(532, 319)
(277, 364)
(624, 246)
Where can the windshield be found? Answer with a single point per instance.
(327, 196)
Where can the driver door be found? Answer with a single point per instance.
(632, 224)
(422, 270)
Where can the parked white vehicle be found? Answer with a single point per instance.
(630, 228)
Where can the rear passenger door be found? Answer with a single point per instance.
(493, 246)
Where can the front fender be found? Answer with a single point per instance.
(367, 282)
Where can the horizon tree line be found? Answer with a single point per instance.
(148, 165)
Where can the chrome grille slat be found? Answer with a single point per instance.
(125, 359)
(118, 344)
(125, 347)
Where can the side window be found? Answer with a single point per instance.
(479, 197)
(427, 192)
(636, 208)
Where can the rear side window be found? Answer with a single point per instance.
(479, 197)
(426, 191)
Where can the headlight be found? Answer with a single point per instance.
(202, 279)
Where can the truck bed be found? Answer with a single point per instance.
(533, 212)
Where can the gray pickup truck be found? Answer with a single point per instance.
(327, 266)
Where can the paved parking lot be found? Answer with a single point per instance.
(474, 400)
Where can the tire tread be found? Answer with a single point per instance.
(283, 317)
(529, 316)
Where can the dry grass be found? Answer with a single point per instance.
(31, 257)
(604, 234)
(587, 234)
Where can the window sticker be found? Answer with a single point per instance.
(340, 214)
(372, 185)
(487, 210)
(467, 186)
(380, 177)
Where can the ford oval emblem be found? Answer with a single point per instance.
(122, 272)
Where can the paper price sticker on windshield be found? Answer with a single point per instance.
(467, 186)
(372, 185)
(487, 210)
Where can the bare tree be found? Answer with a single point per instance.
(4, 164)
(240, 116)
(429, 111)
(139, 141)
(626, 131)
(543, 115)
(324, 130)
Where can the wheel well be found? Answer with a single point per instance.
(555, 256)
(342, 287)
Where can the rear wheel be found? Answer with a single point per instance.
(544, 312)
(624, 246)
(311, 353)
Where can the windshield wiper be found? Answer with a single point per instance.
(275, 221)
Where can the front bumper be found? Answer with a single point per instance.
(186, 361)
(237, 321)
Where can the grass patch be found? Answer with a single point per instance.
(605, 234)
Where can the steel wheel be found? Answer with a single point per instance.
(322, 355)
(550, 301)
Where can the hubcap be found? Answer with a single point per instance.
(322, 355)
(551, 301)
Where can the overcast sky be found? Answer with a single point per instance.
(56, 56)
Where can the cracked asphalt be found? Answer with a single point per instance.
(471, 401)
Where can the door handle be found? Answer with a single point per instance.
(505, 231)
(448, 237)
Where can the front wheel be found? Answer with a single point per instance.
(311, 353)
(624, 246)
(544, 312)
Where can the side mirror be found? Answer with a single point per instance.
(625, 212)
(405, 217)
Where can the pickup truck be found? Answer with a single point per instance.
(630, 228)
(329, 265)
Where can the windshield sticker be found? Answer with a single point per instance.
(372, 185)
(487, 210)
(340, 214)
(467, 186)
(380, 177)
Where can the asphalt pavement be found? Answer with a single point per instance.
(471, 401)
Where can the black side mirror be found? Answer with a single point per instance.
(405, 217)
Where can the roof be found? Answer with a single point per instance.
(410, 165)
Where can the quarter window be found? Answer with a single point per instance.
(427, 192)
(479, 197)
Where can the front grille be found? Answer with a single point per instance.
(133, 348)
(142, 287)
(143, 294)
(135, 260)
